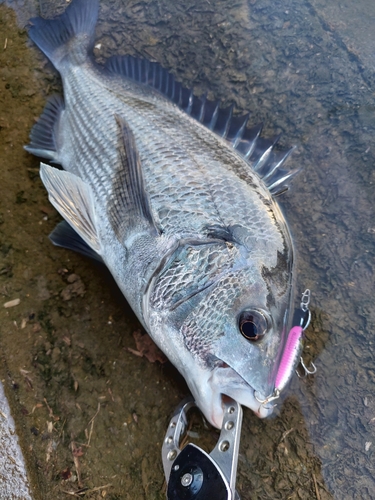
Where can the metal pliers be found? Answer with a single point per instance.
(193, 474)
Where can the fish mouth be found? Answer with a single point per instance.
(225, 382)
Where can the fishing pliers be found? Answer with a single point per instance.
(193, 474)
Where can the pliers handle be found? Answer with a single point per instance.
(193, 474)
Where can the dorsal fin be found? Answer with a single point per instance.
(260, 153)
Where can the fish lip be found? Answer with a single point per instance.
(209, 391)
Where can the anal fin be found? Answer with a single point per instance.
(44, 134)
(73, 199)
(66, 237)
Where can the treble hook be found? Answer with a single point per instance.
(271, 397)
(307, 371)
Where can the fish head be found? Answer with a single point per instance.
(235, 336)
(230, 335)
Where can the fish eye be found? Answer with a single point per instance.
(253, 325)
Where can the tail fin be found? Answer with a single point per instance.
(71, 34)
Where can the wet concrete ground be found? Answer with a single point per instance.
(13, 476)
(89, 413)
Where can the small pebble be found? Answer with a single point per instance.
(12, 303)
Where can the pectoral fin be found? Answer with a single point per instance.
(73, 199)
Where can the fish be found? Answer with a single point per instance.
(176, 195)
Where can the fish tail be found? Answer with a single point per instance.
(69, 37)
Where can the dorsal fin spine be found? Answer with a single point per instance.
(161, 81)
(253, 143)
(214, 117)
(175, 89)
(203, 107)
(152, 75)
(163, 84)
(277, 165)
(227, 125)
(241, 130)
(278, 183)
(263, 159)
(146, 70)
(156, 78)
(263, 162)
(170, 87)
(190, 103)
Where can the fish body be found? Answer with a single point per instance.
(171, 204)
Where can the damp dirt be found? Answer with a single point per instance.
(90, 411)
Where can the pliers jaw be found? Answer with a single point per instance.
(193, 474)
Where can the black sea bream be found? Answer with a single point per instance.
(176, 197)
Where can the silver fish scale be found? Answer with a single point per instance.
(83, 146)
(188, 171)
(205, 324)
(192, 270)
(205, 193)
